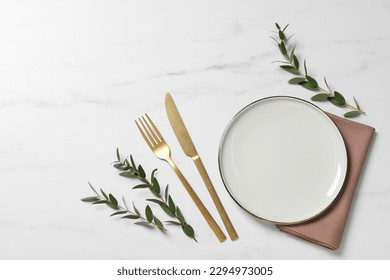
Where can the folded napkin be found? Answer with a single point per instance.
(328, 228)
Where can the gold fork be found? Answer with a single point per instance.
(161, 149)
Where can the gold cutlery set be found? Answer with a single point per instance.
(161, 149)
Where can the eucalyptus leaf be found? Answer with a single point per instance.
(292, 54)
(281, 35)
(166, 192)
(118, 157)
(100, 202)
(156, 185)
(320, 97)
(149, 213)
(152, 175)
(290, 69)
(297, 80)
(307, 85)
(188, 230)
(141, 172)
(113, 200)
(129, 174)
(132, 162)
(334, 101)
(167, 210)
(104, 194)
(171, 204)
(119, 213)
(159, 202)
(158, 223)
(282, 48)
(141, 186)
(312, 81)
(180, 215)
(339, 97)
(90, 199)
(352, 114)
(296, 61)
(132, 217)
(174, 223)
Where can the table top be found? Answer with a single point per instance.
(74, 75)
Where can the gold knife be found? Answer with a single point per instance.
(189, 149)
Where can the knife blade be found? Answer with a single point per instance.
(189, 149)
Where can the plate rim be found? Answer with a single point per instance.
(310, 104)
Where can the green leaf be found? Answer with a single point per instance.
(166, 193)
(156, 186)
(312, 81)
(174, 223)
(153, 172)
(118, 157)
(90, 199)
(118, 213)
(352, 114)
(290, 69)
(158, 223)
(334, 101)
(304, 64)
(104, 194)
(340, 98)
(120, 166)
(100, 202)
(307, 85)
(297, 80)
(180, 215)
(171, 204)
(159, 202)
(113, 200)
(282, 48)
(281, 35)
(285, 27)
(129, 174)
(136, 210)
(320, 97)
(132, 162)
(292, 54)
(133, 217)
(141, 172)
(277, 25)
(296, 62)
(188, 230)
(167, 210)
(149, 213)
(141, 186)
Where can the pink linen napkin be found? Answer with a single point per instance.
(328, 228)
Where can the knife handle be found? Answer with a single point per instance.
(202, 208)
(218, 204)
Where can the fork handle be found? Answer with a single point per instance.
(202, 208)
(218, 204)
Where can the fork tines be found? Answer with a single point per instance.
(149, 131)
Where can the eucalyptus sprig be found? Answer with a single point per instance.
(164, 199)
(149, 219)
(292, 65)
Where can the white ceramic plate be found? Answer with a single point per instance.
(283, 160)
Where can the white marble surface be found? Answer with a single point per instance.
(75, 74)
